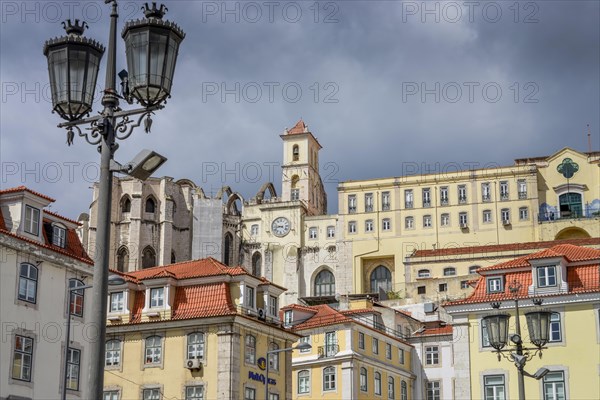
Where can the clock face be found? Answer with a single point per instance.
(280, 226)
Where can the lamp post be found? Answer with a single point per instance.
(152, 45)
(301, 346)
(538, 325)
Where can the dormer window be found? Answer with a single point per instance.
(287, 317)
(59, 236)
(249, 297)
(157, 297)
(117, 302)
(32, 220)
(424, 273)
(273, 306)
(495, 284)
(546, 276)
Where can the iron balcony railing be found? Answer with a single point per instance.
(549, 216)
(329, 350)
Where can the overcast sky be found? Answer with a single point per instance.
(387, 87)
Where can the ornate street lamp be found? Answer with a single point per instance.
(538, 325)
(152, 46)
(301, 346)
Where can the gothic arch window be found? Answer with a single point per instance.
(256, 263)
(324, 284)
(148, 257)
(150, 206)
(296, 152)
(295, 193)
(125, 205)
(173, 258)
(123, 259)
(381, 277)
(228, 249)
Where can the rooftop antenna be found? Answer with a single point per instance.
(589, 135)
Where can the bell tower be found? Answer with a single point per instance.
(300, 178)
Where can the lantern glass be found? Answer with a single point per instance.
(497, 329)
(538, 325)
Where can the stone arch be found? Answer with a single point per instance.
(256, 263)
(232, 208)
(294, 181)
(123, 259)
(261, 193)
(380, 278)
(148, 257)
(572, 233)
(150, 205)
(224, 189)
(125, 204)
(186, 182)
(323, 282)
(228, 248)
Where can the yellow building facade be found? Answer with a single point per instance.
(195, 330)
(566, 279)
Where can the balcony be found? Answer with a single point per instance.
(522, 195)
(486, 198)
(426, 203)
(550, 216)
(408, 204)
(329, 350)
(462, 200)
(385, 207)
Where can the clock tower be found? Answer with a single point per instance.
(300, 178)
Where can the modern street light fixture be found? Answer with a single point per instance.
(301, 346)
(538, 325)
(152, 46)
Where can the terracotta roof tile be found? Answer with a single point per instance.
(325, 316)
(439, 330)
(61, 217)
(189, 269)
(360, 311)
(299, 128)
(138, 305)
(2, 223)
(202, 301)
(26, 189)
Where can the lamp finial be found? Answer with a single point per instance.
(154, 12)
(75, 28)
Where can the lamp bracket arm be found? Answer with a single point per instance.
(115, 166)
(92, 138)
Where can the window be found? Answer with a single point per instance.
(409, 223)
(148, 257)
(505, 215)
(254, 230)
(377, 381)
(287, 317)
(391, 389)
(426, 197)
(554, 386)
(157, 297)
(433, 390)
(473, 269)
(112, 356)
(110, 395)
(22, 358)
(375, 346)
(403, 391)
(401, 355)
(294, 195)
(381, 277)
(386, 224)
(117, 303)
(423, 273)
(250, 357)
(153, 350)
(432, 355)
(325, 284)
(363, 379)
(352, 227)
(523, 213)
(408, 198)
(485, 192)
(385, 201)
(427, 221)
(487, 216)
(421, 290)
(464, 284)
(273, 307)
(444, 195)
(361, 340)
(305, 339)
(388, 351)
(485, 338)
(256, 263)
(274, 357)
(151, 394)
(249, 393)
(368, 202)
(331, 346)
(76, 300)
(555, 329)
(73, 362)
(330, 232)
(125, 205)
(295, 153)
(443, 287)
(28, 277)
(123, 259)
(59, 236)
(303, 381)
(494, 284)
(462, 194)
(369, 225)
(493, 387)
(249, 297)
(445, 219)
(546, 276)
(195, 345)
(504, 190)
(522, 185)
(449, 271)
(194, 392)
(462, 219)
(150, 205)
(312, 232)
(32, 220)
(329, 378)
(351, 204)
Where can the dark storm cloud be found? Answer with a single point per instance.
(357, 64)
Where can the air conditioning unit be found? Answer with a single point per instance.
(193, 363)
(506, 222)
(114, 318)
(261, 314)
(464, 225)
(153, 314)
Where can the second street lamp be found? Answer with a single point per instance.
(152, 46)
(301, 346)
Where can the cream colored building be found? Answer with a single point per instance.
(42, 258)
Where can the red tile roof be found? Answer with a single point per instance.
(581, 278)
(201, 301)
(325, 316)
(189, 269)
(26, 189)
(299, 128)
(504, 247)
(360, 311)
(61, 217)
(2, 224)
(435, 331)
